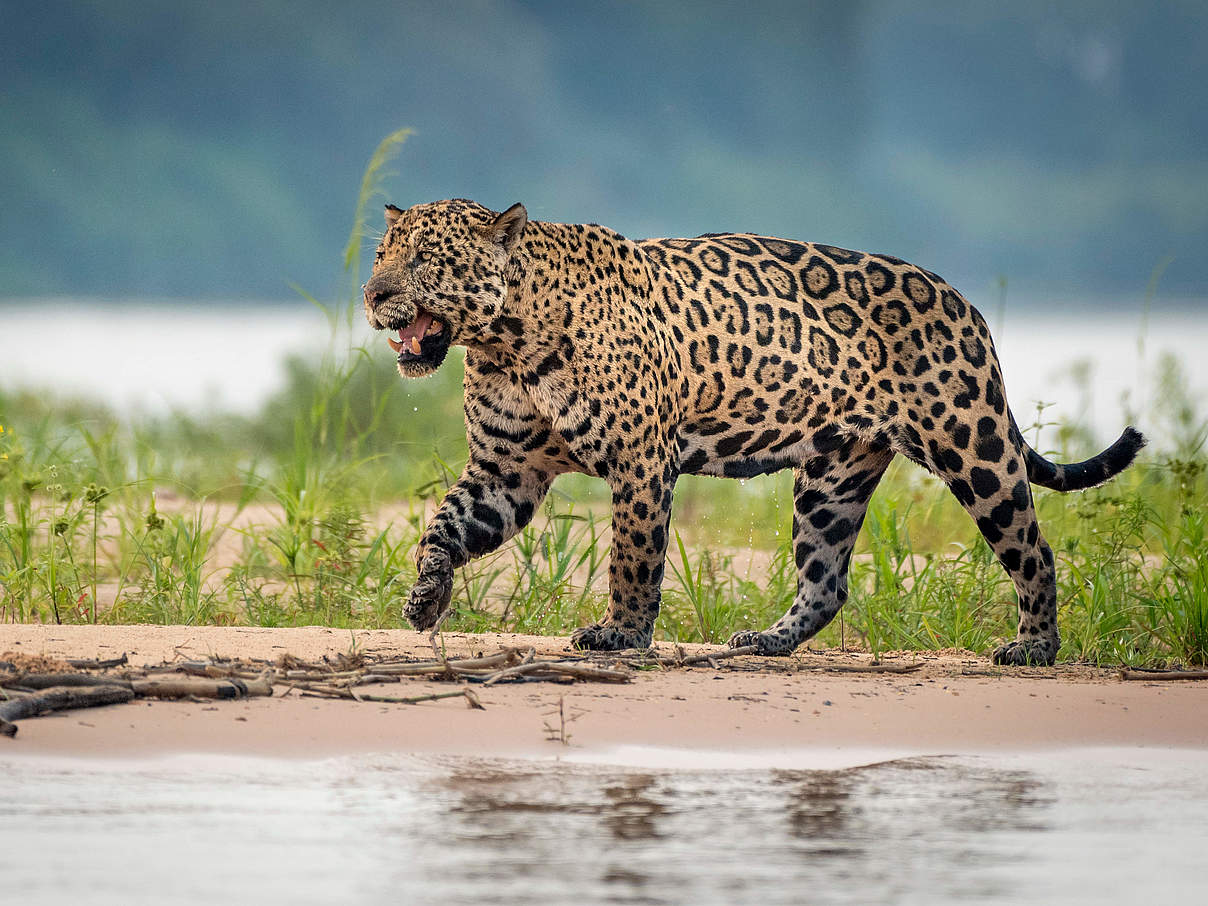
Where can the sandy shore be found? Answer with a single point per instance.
(954, 704)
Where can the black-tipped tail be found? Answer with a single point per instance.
(1081, 475)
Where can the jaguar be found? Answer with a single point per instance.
(728, 354)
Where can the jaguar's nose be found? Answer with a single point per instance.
(375, 296)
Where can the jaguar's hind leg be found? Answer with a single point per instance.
(830, 498)
(989, 477)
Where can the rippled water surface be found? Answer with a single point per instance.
(1073, 827)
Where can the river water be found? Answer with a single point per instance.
(643, 827)
(141, 356)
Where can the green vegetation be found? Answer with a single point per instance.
(310, 512)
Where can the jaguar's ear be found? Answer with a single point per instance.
(508, 227)
(392, 215)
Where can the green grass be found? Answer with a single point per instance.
(309, 513)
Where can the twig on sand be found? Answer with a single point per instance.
(1130, 674)
(471, 699)
(48, 680)
(683, 660)
(58, 698)
(864, 668)
(712, 657)
(232, 687)
(576, 671)
(93, 664)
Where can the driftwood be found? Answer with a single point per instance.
(47, 680)
(471, 699)
(64, 691)
(232, 687)
(574, 671)
(684, 660)
(394, 669)
(711, 658)
(865, 668)
(58, 698)
(347, 677)
(506, 665)
(185, 688)
(93, 664)
(1131, 674)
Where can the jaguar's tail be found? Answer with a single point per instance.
(1081, 475)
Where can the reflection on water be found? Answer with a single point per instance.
(401, 829)
(646, 837)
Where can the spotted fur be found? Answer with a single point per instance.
(728, 354)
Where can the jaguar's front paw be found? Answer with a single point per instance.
(768, 643)
(603, 637)
(430, 595)
(1027, 653)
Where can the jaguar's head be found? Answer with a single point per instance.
(440, 277)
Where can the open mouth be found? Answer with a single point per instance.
(426, 339)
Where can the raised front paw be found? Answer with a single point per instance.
(768, 643)
(1027, 653)
(430, 595)
(603, 637)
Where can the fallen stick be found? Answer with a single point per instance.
(322, 690)
(657, 660)
(224, 689)
(58, 699)
(93, 664)
(206, 669)
(412, 668)
(1127, 674)
(865, 668)
(48, 680)
(576, 671)
(719, 655)
(471, 699)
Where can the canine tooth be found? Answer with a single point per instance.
(394, 344)
(437, 327)
(415, 345)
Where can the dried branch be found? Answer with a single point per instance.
(576, 671)
(471, 699)
(864, 668)
(93, 664)
(224, 689)
(58, 698)
(1130, 674)
(48, 680)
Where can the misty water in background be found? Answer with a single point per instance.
(1081, 826)
(1094, 366)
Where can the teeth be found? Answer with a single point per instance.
(415, 347)
(394, 344)
(436, 327)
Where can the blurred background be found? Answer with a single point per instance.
(178, 177)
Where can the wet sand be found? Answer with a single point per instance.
(956, 703)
